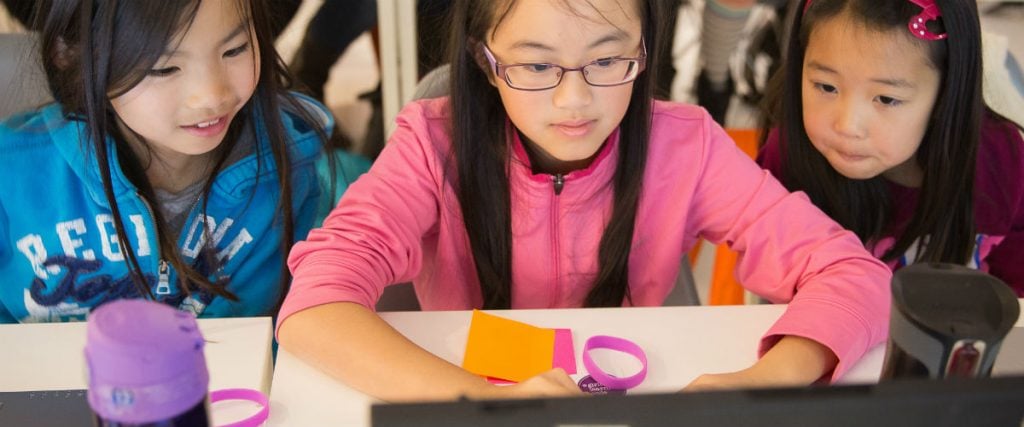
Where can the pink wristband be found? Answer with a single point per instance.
(617, 344)
(244, 394)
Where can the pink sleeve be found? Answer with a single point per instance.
(373, 237)
(791, 252)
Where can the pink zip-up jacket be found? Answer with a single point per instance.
(401, 222)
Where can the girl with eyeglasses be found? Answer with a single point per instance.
(551, 178)
(882, 123)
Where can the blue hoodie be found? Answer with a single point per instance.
(59, 255)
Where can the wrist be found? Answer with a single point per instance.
(481, 389)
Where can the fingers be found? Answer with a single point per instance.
(551, 383)
(703, 382)
(561, 378)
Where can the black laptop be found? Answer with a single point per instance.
(995, 401)
(64, 408)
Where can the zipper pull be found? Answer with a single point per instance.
(559, 183)
(163, 286)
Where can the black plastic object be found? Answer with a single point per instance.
(947, 321)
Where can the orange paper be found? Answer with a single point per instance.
(507, 349)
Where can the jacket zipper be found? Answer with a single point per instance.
(559, 183)
(163, 284)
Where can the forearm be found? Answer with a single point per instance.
(795, 361)
(354, 345)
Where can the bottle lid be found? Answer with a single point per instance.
(145, 361)
(954, 302)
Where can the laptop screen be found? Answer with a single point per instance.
(977, 402)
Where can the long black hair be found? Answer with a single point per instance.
(481, 150)
(943, 221)
(96, 50)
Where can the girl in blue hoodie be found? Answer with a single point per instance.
(173, 165)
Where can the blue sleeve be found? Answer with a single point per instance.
(307, 200)
(348, 168)
(5, 316)
(6, 251)
(5, 257)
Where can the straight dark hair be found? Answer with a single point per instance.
(96, 50)
(943, 221)
(481, 150)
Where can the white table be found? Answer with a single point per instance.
(681, 343)
(49, 356)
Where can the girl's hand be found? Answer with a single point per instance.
(552, 383)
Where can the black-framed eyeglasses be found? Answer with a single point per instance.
(543, 76)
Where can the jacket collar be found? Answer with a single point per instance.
(521, 159)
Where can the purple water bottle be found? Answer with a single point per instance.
(146, 366)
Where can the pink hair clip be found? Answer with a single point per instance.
(917, 23)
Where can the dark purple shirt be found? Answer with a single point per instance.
(998, 202)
